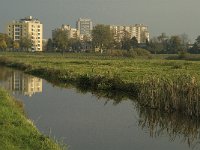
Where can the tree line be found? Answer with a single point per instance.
(103, 40)
(7, 43)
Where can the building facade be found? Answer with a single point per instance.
(27, 27)
(72, 32)
(85, 27)
(139, 31)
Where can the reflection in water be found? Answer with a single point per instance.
(157, 123)
(174, 125)
(20, 83)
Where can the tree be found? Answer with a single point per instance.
(3, 45)
(25, 43)
(184, 42)
(134, 42)
(49, 45)
(16, 45)
(155, 46)
(196, 47)
(102, 36)
(174, 45)
(126, 43)
(61, 40)
(75, 44)
(7, 39)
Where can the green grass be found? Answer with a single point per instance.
(169, 85)
(16, 131)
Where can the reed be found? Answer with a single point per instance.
(158, 84)
(179, 93)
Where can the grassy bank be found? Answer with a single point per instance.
(16, 131)
(169, 85)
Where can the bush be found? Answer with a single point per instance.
(137, 52)
(183, 55)
(140, 52)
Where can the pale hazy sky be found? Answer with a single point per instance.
(170, 16)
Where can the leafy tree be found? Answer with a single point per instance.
(16, 45)
(49, 45)
(155, 46)
(61, 40)
(3, 45)
(102, 36)
(196, 47)
(126, 44)
(174, 45)
(25, 43)
(7, 39)
(75, 44)
(134, 42)
(184, 41)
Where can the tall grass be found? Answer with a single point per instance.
(177, 93)
(17, 132)
(159, 84)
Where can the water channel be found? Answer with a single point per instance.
(87, 122)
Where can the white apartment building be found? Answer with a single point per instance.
(139, 31)
(72, 32)
(27, 27)
(85, 27)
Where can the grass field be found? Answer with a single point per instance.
(169, 85)
(16, 131)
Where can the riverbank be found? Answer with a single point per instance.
(167, 85)
(16, 131)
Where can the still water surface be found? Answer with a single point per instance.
(85, 122)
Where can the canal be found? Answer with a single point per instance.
(85, 121)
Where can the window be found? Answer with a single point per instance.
(17, 37)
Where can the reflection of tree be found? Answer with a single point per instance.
(175, 125)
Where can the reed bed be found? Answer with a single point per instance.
(158, 84)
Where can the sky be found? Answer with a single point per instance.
(174, 17)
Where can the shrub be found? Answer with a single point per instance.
(137, 52)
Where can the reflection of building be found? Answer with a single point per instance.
(139, 31)
(20, 83)
(27, 27)
(85, 27)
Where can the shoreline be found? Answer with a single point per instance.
(17, 131)
(176, 93)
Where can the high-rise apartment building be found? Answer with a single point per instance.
(72, 32)
(85, 27)
(139, 31)
(27, 27)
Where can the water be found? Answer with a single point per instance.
(85, 122)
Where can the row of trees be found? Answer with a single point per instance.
(168, 45)
(61, 42)
(6, 43)
(102, 38)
